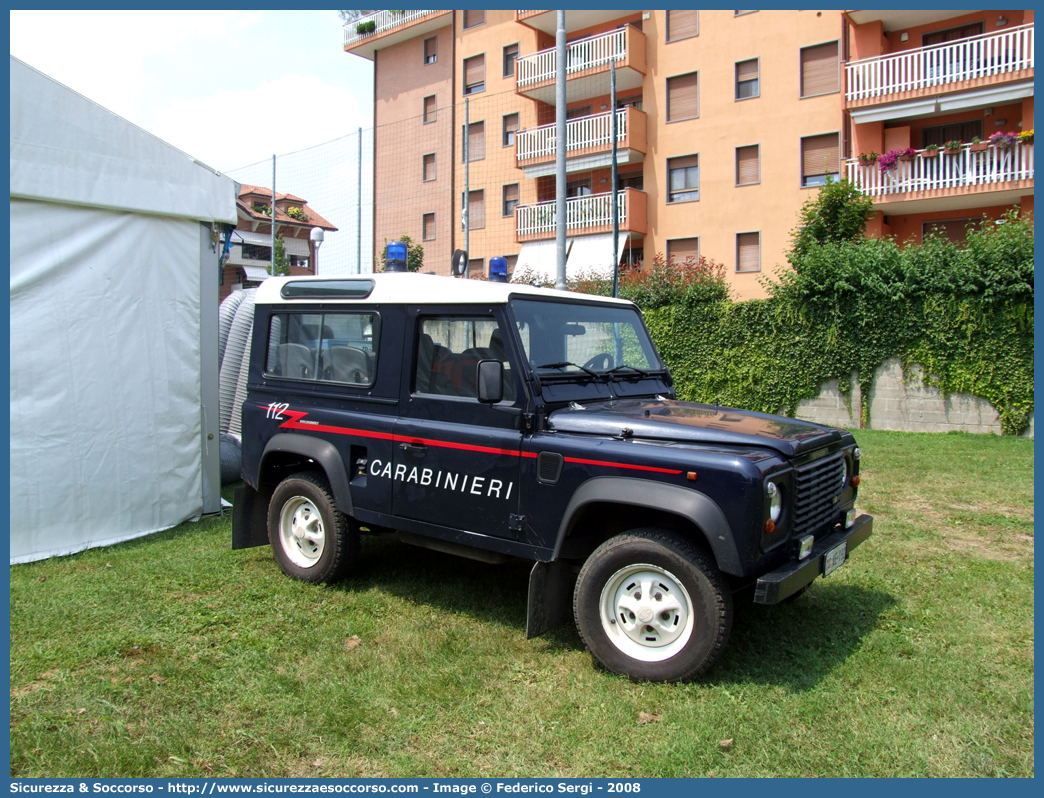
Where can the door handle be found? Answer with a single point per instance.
(413, 448)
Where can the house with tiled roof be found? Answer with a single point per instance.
(251, 255)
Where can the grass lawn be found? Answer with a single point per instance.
(174, 656)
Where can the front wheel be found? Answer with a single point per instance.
(651, 605)
(311, 539)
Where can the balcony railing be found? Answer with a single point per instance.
(958, 170)
(383, 22)
(588, 53)
(581, 134)
(975, 57)
(594, 210)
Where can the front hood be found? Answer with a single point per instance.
(687, 422)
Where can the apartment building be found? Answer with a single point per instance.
(727, 122)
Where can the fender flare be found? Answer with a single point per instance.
(696, 507)
(324, 453)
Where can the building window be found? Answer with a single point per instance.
(683, 250)
(431, 110)
(579, 188)
(951, 34)
(631, 180)
(256, 252)
(428, 227)
(476, 209)
(820, 158)
(510, 200)
(476, 142)
(510, 57)
(748, 165)
(820, 70)
(682, 25)
(957, 131)
(429, 167)
(578, 112)
(510, 129)
(955, 230)
(431, 50)
(475, 74)
(683, 97)
(683, 175)
(473, 18)
(748, 252)
(747, 83)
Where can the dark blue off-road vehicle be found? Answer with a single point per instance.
(493, 421)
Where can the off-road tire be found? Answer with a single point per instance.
(683, 619)
(311, 539)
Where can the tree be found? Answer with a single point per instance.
(414, 256)
(840, 212)
(281, 264)
(352, 16)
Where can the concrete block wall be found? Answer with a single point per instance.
(904, 405)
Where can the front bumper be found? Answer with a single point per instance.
(788, 579)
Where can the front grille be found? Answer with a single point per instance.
(818, 487)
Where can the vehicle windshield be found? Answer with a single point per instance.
(583, 338)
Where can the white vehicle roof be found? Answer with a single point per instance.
(414, 289)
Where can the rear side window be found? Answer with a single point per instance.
(323, 347)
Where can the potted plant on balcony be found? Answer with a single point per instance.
(888, 161)
(907, 154)
(978, 145)
(1026, 136)
(931, 151)
(1003, 141)
(366, 27)
(868, 157)
(953, 147)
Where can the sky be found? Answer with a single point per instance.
(230, 88)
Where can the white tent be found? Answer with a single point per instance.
(114, 339)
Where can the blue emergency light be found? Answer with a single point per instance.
(395, 257)
(498, 270)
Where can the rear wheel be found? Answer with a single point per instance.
(311, 539)
(651, 605)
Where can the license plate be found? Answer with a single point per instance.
(834, 558)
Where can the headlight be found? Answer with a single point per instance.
(775, 497)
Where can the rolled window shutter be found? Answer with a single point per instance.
(682, 97)
(684, 162)
(476, 141)
(682, 24)
(820, 155)
(429, 226)
(747, 165)
(472, 18)
(747, 70)
(748, 252)
(681, 248)
(819, 70)
(477, 211)
(475, 70)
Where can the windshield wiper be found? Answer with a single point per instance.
(616, 369)
(564, 363)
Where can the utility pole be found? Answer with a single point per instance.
(560, 153)
(467, 196)
(615, 183)
(271, 266)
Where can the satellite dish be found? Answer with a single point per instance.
(458, 263)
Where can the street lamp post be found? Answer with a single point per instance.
(317, 240)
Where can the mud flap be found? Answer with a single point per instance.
(250, 517)
(549, 597)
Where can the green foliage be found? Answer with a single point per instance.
(839, 212)
(260, 207)
(282, 262)
(414, 253)
(298, 213)
(965, 313)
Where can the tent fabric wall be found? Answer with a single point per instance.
(105, 377)
(114, 267)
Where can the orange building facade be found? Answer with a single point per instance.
(727, 122)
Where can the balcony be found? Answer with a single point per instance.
(983, 60)
(587, 65)
(391, 27)
(584, 215)
(945, 181)
(589, 142)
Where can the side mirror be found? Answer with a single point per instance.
(490, 381)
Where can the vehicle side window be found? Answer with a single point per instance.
(323, 347)
(448, 353)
